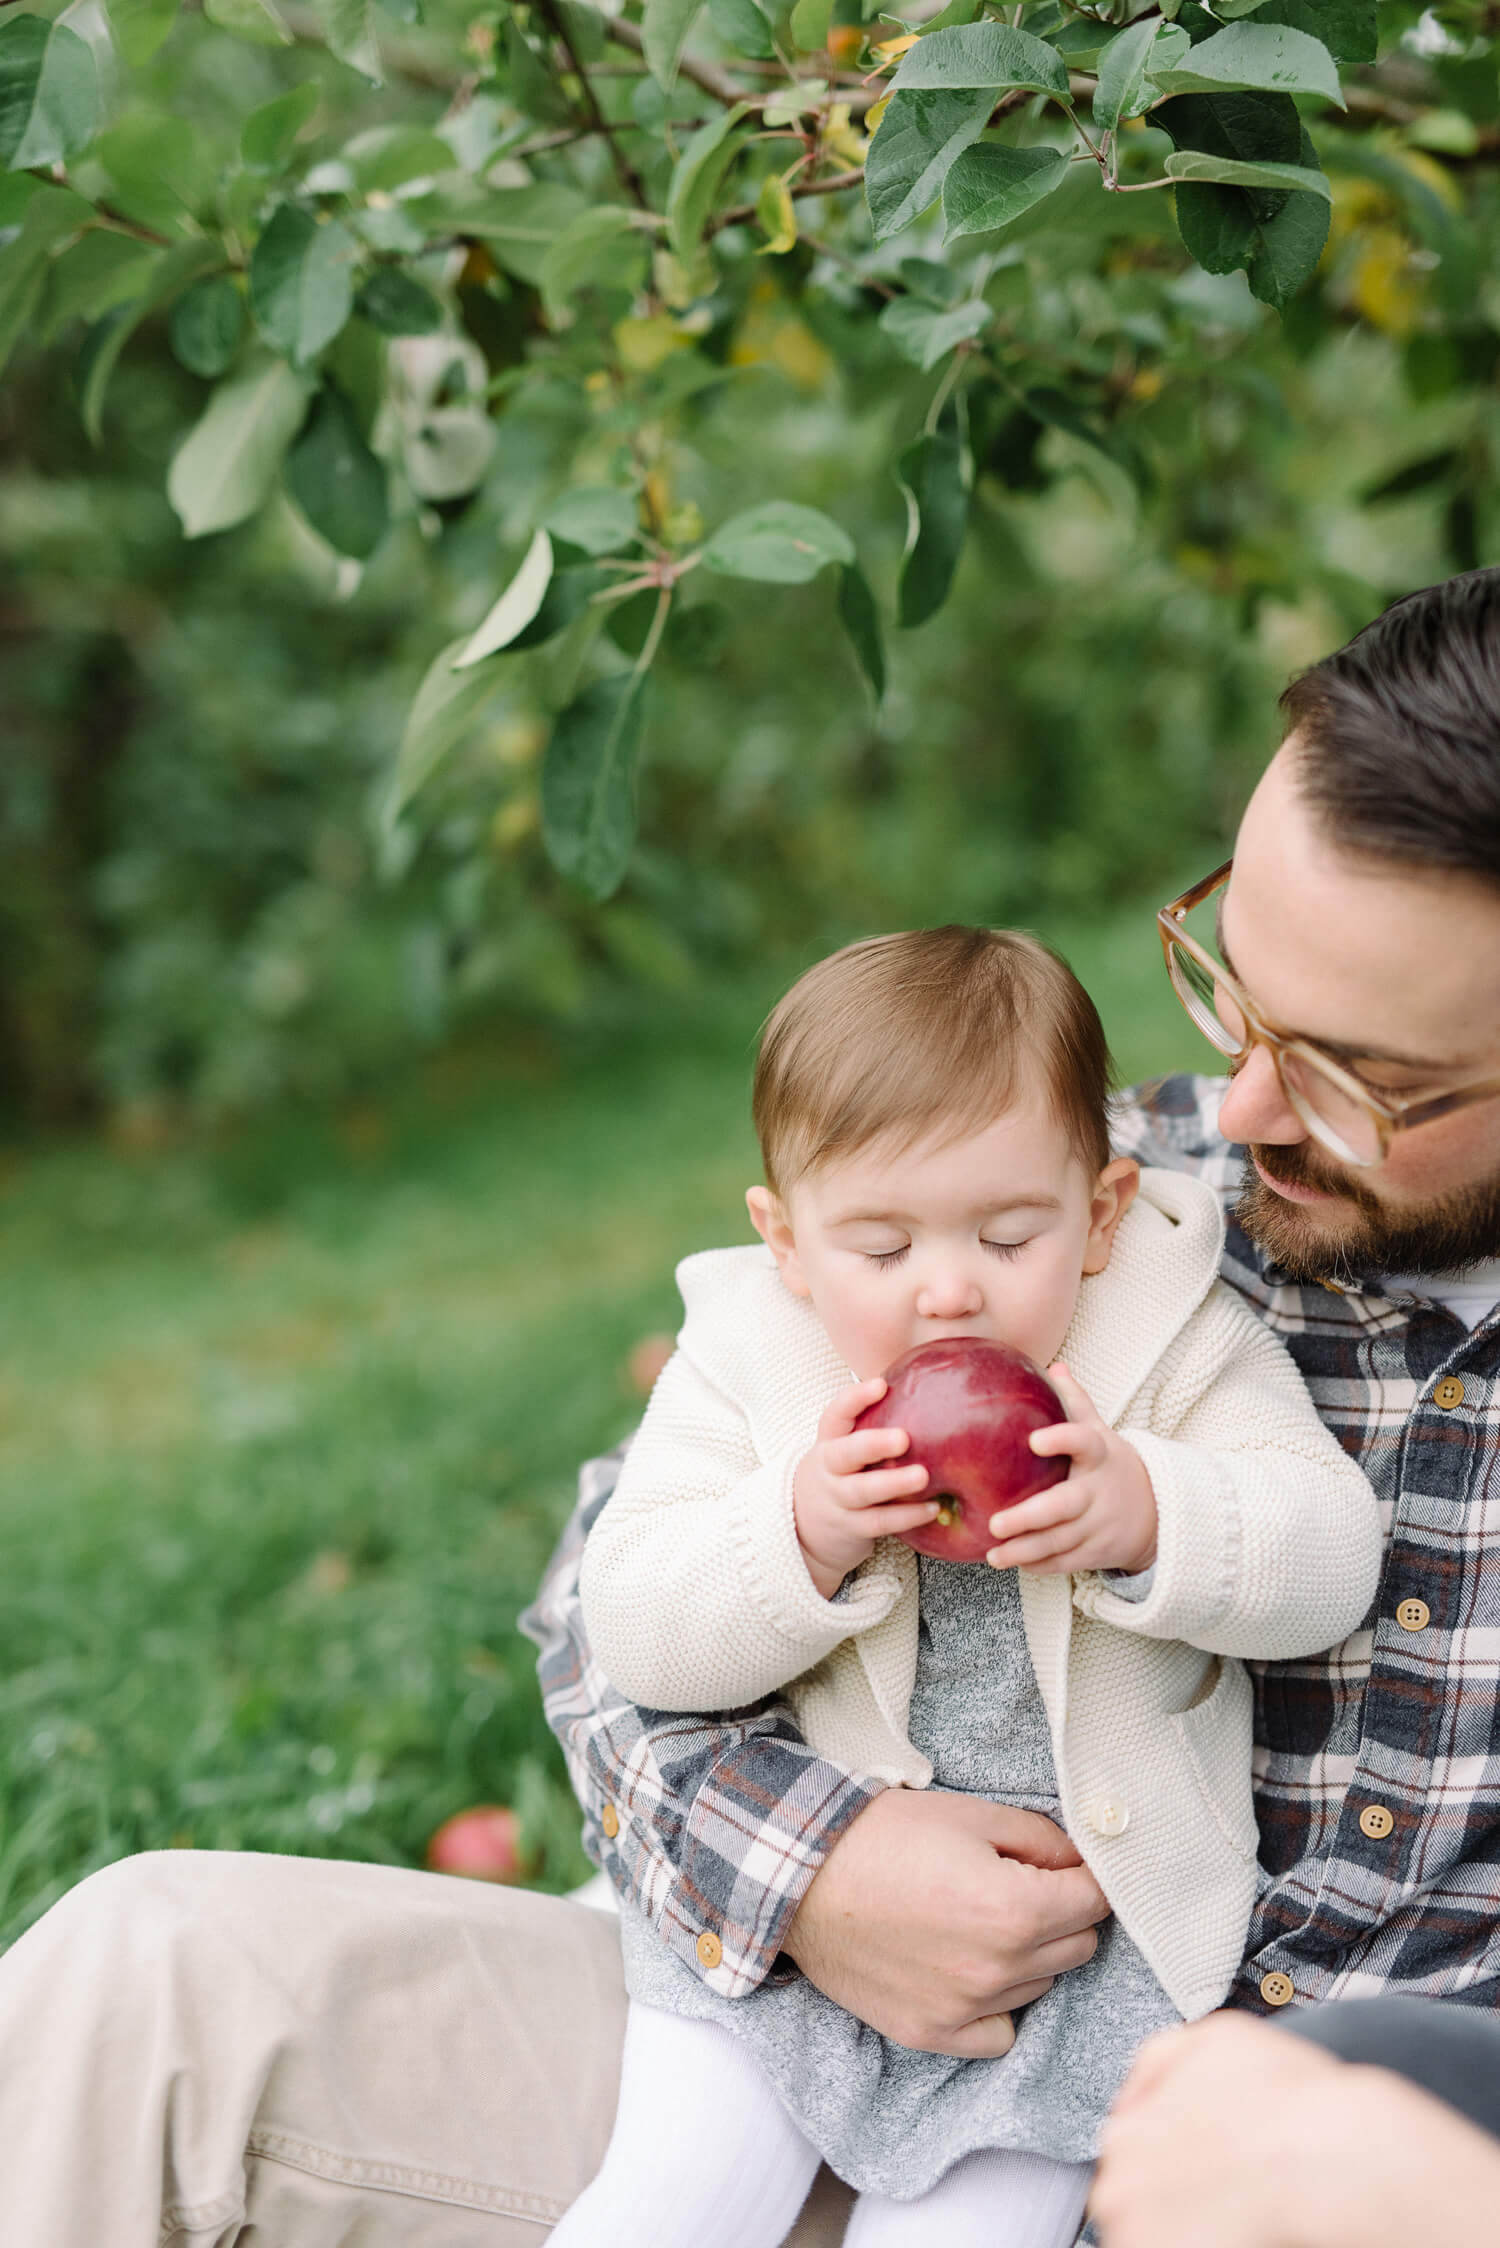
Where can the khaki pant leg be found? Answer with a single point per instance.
(208, 2049)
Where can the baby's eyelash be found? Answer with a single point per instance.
(1005, 1248)
(884, 1257)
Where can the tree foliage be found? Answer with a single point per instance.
(1037, 517)
(375, 240)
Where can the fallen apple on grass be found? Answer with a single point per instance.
(969, 1408)
(483, 1844)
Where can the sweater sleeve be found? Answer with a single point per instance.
(695, 1592)
(1269, 1538)
(713, 1827)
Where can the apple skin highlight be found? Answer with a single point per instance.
(969, 1408)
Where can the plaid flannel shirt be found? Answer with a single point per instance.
(1377, 1765)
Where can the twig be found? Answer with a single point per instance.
(630, 178)
(743, 211)
(704, 74)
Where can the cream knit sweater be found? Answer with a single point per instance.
(696, 1595)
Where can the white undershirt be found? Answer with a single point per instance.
(1470, 1295)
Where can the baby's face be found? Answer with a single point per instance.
(989, 1236)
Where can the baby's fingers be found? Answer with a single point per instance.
(1063, 1503)
(840, 1416)
(866, 1447)
(894, 1521)
(1076, 1440)
(877, 1485)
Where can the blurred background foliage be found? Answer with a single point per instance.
(1178, 495)
(347, 1150)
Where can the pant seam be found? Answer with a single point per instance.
(198, 2216)
(396, 2177)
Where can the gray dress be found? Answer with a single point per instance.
(887, 2119)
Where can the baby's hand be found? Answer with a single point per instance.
(842, 1501)
(1103, 1517)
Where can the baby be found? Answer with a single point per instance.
(931, 1112)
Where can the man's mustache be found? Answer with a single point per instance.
(1293, 1166)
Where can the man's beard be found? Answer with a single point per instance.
(1443, 1236)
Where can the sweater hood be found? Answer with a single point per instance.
(1164, 1261)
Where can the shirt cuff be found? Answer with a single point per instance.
(1137, 1587)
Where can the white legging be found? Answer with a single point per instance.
(704, 2155)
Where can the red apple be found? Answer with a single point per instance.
(483, 1843)
(969, 1408)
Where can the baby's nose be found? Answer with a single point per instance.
(949, 1295)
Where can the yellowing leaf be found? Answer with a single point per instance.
(875, 112)
(644, 344)
(840, 138)
(776, 217)
(891, 50)
(1386, 286)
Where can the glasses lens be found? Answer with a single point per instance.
(1332, 1112)
(1206, 1001)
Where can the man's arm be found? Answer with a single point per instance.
(927, 1915)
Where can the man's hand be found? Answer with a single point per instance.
(934, 1914)
(1233, 2134)
(843, 1500)
(1103, 1517)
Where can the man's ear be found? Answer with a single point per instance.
(769, 1218)
(1114, 1191)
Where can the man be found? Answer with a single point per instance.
(310, 2053)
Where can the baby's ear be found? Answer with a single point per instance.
(769, 1218)
(1114, 1191)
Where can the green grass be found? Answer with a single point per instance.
(288, 1426)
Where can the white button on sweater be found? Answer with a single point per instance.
(696, 1595)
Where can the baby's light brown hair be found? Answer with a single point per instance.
(929, 1030)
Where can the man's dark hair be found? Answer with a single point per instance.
(1400, 731)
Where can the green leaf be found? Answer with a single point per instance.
(776, 216)
(173, 271)
(1126, 69)
(49, 92)
(778, 542)
(809, 24)
(592, 252)
(981, 54)
(924, 336)
(516, 607)
(49, 216)
(742, 25)
(445, 707)
(531, 83)
(567, 604)
(258, 21)
(696, 178)
(1416, 476)
(391, 156)
(140, 26)
(518, 223)
(1289, 242)
(225, 466)
(588, 783)
(991, 184)
(268, 133)
(349, 29)
(934, 474)
(1217, 227)
(398, 304)
(600, 518)
(665, 25)
(336, 480)
(162, 179)
(99, 272)
(919, 138)
(1347, 28)
(208, 321)
(1192, 164)
(861, 621)
(302, 281)
(1266, 57)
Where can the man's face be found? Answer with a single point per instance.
(1397, 973)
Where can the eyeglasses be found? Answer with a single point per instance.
(1341, 1113)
